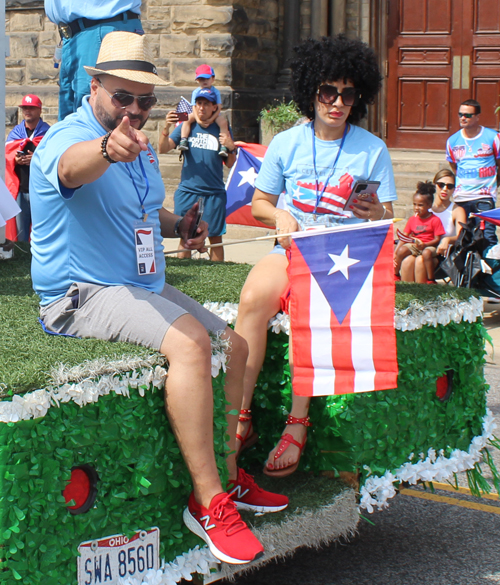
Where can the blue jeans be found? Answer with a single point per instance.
(80, 50)
(477, 206)
(23, 219)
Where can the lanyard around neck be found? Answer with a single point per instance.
(320, 195)
(141, 199)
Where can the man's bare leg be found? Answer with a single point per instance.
(216, 254)
(189, 403)
(183, 254)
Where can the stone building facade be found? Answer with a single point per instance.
(247, 42)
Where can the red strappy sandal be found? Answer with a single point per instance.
(285, 441)
(251, 437)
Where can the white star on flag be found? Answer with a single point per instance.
(342, 263)
(248, 176)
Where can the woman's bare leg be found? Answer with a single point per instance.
(408, 269)
(300, 409)
(259, 301)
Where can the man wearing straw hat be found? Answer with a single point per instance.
(98, 266)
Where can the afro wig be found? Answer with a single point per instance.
(330, 59)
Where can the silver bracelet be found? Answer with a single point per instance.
(383, 215)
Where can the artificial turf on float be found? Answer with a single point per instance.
(101, 404)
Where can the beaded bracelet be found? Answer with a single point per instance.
(104, 152)
(176, 227)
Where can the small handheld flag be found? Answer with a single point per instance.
(402, 237)
(184, 106)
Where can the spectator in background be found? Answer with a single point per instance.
(202, 168)
(8, 209)
(19, 147)
(416, 259)
(451, 215)
(82, 26)
(474, 156)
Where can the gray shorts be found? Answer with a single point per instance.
(123, 313)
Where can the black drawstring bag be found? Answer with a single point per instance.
(463, 263)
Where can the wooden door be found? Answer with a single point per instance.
(440, 53)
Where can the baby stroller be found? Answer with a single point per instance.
(462, 266)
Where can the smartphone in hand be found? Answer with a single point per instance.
(192, 230)
(362, 191)
(182, 116)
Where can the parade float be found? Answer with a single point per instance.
(92, 483)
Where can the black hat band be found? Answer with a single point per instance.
(129, 65)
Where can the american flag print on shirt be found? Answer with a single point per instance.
(342, 310)
(332, 201)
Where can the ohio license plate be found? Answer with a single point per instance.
(115, 557)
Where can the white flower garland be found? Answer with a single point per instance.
(36, 404)
(442, 311)
(197, 560)
(377, 490)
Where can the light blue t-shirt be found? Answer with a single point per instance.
(289, 166)
(202, 169)
(476, 160)
(87, 234)
(68, 10)
(196, 93)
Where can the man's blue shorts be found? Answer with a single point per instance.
(214, 211)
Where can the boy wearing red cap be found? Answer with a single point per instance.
(19, 147)
(205, 78)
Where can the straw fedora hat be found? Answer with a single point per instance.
(126, 55)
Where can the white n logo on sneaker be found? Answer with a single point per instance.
(238, 490)
(206, 520)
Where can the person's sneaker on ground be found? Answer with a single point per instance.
(247, 495)
(221, 527)
(183, 144)
(224, 152)
(7, 250)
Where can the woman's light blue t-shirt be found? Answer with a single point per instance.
(289, 167)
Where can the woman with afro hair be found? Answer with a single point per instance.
(316, 164)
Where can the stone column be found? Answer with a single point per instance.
(291, 37)
(337, 14)
(319, 18)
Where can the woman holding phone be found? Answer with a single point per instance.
(316, 165)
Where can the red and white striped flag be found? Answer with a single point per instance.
(342, 310)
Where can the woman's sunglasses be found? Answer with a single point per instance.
(443, 185)
(328, 94)
(122, 100)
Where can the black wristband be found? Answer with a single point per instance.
(104, 152)
(176, 227)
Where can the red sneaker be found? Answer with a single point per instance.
(249, 496)
(221, 527)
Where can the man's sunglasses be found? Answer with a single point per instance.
(464, 115)
(443, 185)
(122, 100)
(328, 94)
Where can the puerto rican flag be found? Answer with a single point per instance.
(342, 310)
(240, 184)
(492, 216)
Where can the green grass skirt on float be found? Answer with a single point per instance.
(67, 403)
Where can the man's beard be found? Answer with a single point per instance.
(111, 123)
